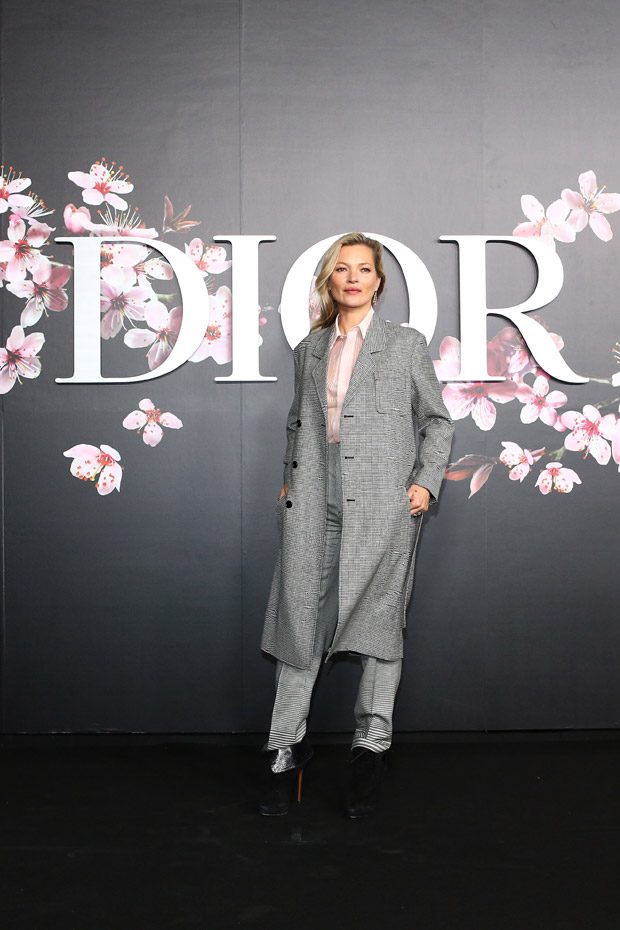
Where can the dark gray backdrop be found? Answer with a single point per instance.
(143, 611)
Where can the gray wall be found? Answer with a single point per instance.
(143, 611)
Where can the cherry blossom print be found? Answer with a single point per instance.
(135, 256)
(21, 250)
(162, 335)
(77, 219)
(547, 226)
(538, 403)
(475, 397)
(209, 260)
(589, 205)
(150, 420)
(178, 223)
(32, 210)
(556, 477)
(19, 358)
(589, 431)
(120, 223)
(121, 299)
(510, 353)
(96, 464)
(102, 184)
(615, 443)
(518, 460)
(476, 467)
(11, 185)
(217, 342)
(44, 292)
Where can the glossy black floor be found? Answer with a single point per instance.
(126, 833)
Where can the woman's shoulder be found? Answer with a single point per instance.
(404, 332)
(310, 340)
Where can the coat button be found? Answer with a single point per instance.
(299, 423)
(294, 464)
(289, 503)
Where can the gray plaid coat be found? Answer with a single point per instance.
(393, 395)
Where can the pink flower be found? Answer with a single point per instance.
(10, 185)
(511, 354)
(589, 206)
(19, 358)
(103, 183)
(120, 299)
(615, 443)
(45, 291)
(538, 403)
(476, 467)
(210, 260)
(135, 256)
(21, 250)
(217, 342)
(545, 226)
(90, 461)
(557, 478)
(589, 431)
(151, 419)
(463, 398)
(77, 219)
(518, 460)
(122, 224)
(162, 335)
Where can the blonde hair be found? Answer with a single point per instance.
(328, 308)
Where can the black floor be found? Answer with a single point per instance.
(106, 833)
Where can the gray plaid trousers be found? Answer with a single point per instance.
(380, 677)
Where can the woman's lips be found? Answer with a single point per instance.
(352, 290)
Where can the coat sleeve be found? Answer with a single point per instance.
(292, 418)
(434, 423)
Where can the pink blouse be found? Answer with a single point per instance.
(343, 352)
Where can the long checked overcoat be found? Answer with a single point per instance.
(394, 431)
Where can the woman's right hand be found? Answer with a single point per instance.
(283, 491)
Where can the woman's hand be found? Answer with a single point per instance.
(283, 491)
(420, 499)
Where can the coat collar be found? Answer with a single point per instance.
(374, 341)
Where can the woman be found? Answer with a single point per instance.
(349, 516)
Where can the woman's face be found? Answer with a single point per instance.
(354, 279)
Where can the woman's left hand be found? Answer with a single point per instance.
(420, 499)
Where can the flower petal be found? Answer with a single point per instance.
(600, 227)
(532, 208)
(608, 203)
(138, 338)
(152, 434)
(170, 420)
(484, 413)
(587, 184)
(134, 420)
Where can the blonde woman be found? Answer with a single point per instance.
(356, 487)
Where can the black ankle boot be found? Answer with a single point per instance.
(366, 771)
(284, 778)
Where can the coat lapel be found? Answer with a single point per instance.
(374, 341)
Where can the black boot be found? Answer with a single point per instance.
(366, 771)
(284, 777)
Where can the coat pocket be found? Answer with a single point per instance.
(392, 395)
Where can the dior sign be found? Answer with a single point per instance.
(294, 302)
